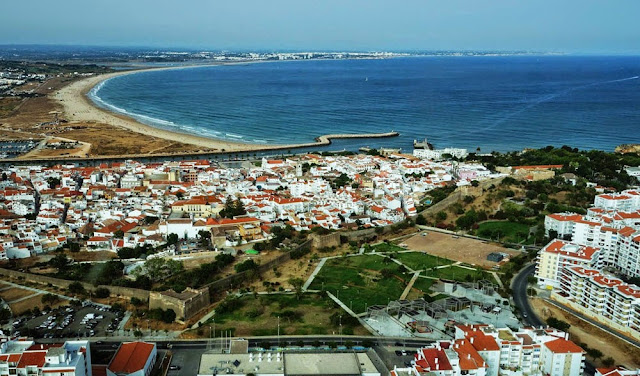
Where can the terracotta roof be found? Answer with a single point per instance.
(563, 346)
(570, 249)
(35, 358)
(469, 357)
(131, 357)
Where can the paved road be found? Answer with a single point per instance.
(519, 291)
(520, 298)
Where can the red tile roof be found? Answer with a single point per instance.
(563, 346)
(35, 358)
(131, 357)
(573, 250)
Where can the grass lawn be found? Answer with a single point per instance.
(459, 274)
(258, 316)
(421, 260)
(423, 284)
(507, 231)
(388, 247)
(358, 281)
(94, 272)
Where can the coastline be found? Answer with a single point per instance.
(79, 108)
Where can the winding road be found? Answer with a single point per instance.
(519, 292)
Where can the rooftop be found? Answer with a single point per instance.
(131, 357)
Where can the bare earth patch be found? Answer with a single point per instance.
(14, 293)
(462, 249)
(28, 304)
(583, 332)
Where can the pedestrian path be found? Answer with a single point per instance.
(24, 298)
(407, 289)
(35, 290)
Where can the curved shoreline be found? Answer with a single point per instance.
(78, 107)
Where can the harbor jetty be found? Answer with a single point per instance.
(323, 140)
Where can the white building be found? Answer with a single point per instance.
(485, 350)
(25, 357)
(562, 357)
(560, 254)
(605, 297)
(133, 359)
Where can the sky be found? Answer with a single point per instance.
(570, 26)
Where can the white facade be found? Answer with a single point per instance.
(560, 254)
(604, 296)
(561, 360)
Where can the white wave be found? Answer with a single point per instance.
(232, 135)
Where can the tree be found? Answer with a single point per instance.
(49, 299)
(77, 288)
(205, 238)
(60, 262)
(595, 354)
(232, 208)
(5, 315)
(118, 234)
(441, 216)
(246, 265)
(74, 247)
(102, 293)
(467, 220)
(53, 182)
(558, 324)
(608, 362)
(172, 238)
(421, 221)
(159, 268)
(297, 284)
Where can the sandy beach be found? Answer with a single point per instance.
(77, 107)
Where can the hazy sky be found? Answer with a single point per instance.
(589, 26)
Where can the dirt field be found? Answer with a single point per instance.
(28, 304)
(21, 122)
(583, 332)
(13, 293)
(81, 150)
(462, 249)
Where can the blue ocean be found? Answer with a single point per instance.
(500, 103)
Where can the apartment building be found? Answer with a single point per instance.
(561, 254)
(486, 350)
(628, 200)
(605, 297)
(562, 357)
(24, 357)
(617, 371)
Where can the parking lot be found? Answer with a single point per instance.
(186, 360)
(68, 321)
(397, 355)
